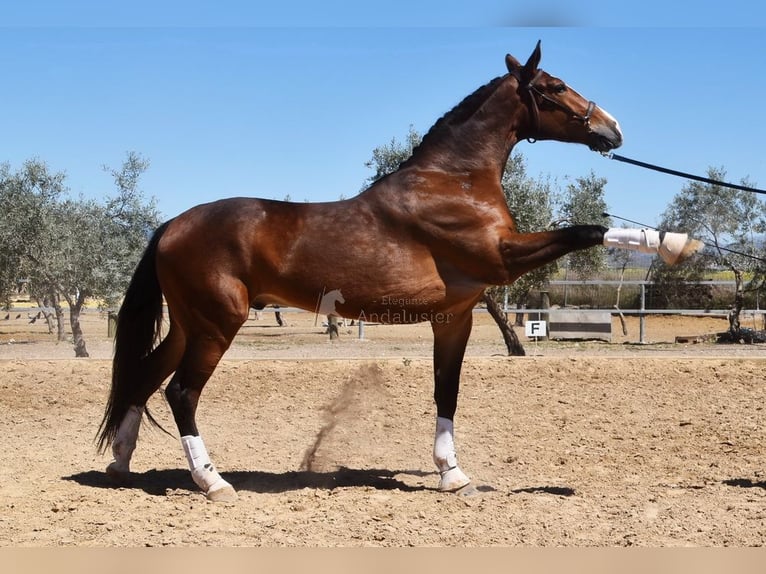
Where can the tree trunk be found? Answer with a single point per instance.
(735, 329)
(519, 322)
(59, 311)
(75, 307)
(45, 308)
(512, 342)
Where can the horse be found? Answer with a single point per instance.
(420, 244)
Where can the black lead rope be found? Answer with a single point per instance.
(682, 174)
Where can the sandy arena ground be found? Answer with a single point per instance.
(577, 444)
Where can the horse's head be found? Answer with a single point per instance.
(557, 112)
(337, 296)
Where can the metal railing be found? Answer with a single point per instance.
(642, 312)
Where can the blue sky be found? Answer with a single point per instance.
(243, 100)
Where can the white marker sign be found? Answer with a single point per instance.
(535, 329)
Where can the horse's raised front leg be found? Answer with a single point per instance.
(523, 252)
(450, 339)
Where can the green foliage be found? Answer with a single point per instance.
(86, 248)
(725, 220)
(127, 219)
(532, 204)
(72, 249)
(387, 158)
(27, 197)
(584, 204)
(722, 218)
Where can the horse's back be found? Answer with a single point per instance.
(275, 249)
(294, 253)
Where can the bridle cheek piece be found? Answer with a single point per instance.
(533, 90)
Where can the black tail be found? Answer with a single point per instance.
(138, 331)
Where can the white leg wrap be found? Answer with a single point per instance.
(203, 472)
(125, 442)
(643, 240)
(445, 457)
(671, 247)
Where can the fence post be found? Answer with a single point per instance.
(332, 326)
(545, 303)
(641, 316)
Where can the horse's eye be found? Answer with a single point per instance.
(560, 89)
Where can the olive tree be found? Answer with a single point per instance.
(730, 223)
(584, 204)
(75, 250)
(27, 198)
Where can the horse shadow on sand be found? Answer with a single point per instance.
(745, 483)
(160, 482)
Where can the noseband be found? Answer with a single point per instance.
(533, 90)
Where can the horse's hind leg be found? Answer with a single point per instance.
(183, 393)
(450, 339)
(155, 368)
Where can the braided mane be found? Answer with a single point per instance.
(457, 115)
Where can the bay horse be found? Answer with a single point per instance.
(420, 244)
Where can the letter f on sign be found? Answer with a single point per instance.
(534, 329)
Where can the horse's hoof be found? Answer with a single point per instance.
(223, 494)
(116, 474)
(453, 480)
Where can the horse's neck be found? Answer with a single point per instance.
(482, 142)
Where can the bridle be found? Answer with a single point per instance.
(532, 90)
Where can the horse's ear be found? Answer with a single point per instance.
(530, 68)
(512, 63)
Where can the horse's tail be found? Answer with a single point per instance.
(139, 324)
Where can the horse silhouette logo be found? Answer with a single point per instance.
(328, 301)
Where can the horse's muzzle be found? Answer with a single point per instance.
(605, 138)
(605, 132)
